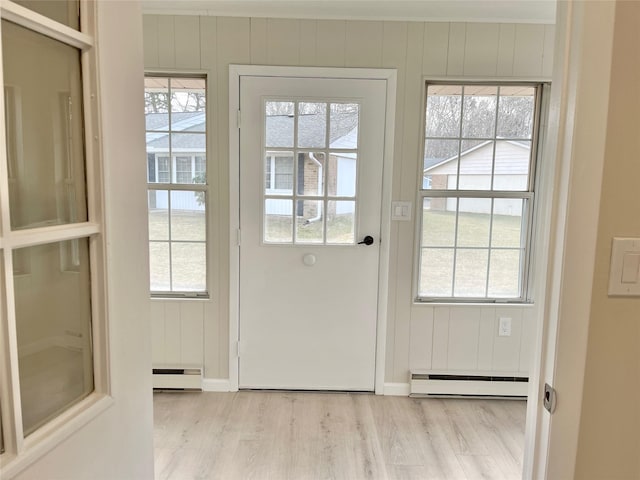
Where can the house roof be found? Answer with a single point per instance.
(311, 131)
(506, 161)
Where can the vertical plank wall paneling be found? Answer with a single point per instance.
(411, 135)
(394, 55)
(443, 337)
(212, 308)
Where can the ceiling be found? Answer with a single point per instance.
(502, 11)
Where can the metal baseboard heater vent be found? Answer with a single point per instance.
(177, 379)
(477, 385)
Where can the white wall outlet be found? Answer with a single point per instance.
(504, 327)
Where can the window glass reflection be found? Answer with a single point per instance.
(53, 322)
(45, 148)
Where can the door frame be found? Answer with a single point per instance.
(235, 73)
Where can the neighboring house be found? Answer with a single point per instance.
(188, 162)
(312, 132)
(476, 164)
(188, 158)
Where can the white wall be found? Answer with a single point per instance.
(118, 443)
(416, 50)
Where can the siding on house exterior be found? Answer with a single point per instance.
(511, 172)
(446, 337)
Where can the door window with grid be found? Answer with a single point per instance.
(310, 172)
(176, 131)
(477, 192)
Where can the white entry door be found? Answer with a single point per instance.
(311, 157)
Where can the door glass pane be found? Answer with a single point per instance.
(188, 221)
(312, 125)
(279, 124)
(278, 173)
(278, 221)
(311, 167)
(53, 321)
(66, 12)
(342, 174)
(309, 218)
(343, 125)
(329, 175)
(341, 222)
(45, 148)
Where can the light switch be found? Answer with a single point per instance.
(401, 211)
(624, 277)
(630, 267)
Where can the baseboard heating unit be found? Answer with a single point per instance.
(177, 378)
(477, 385)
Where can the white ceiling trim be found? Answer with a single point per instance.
(493, 11)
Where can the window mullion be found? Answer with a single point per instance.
(495, 141)
(455, 249)
(296, 112)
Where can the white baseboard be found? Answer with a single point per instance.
(216, 385)
(396, 389)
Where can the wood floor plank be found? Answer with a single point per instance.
(310, 435)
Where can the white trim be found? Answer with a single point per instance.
(43, 235)
(44, 25)
(578, 122)
(531, 11)
(235, 72)
(50, 435)
(396, 389)
(216, 385)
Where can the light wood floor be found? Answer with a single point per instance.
(295, 435)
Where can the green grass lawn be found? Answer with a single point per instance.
(472, 256)
(188, 270)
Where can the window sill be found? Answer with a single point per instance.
(474, 304)
(53, 433)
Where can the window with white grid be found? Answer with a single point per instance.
(477, 191)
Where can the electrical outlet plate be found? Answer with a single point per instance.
(504, 327)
